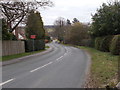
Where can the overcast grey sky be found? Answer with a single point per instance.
(69, 9)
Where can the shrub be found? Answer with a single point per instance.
(85, 42)
(38, 45)
(92, 43)
(115, 45)
(105, 43)
(28, 46)
(98, 41)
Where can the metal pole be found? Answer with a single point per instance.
(33, 45)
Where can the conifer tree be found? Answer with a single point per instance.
(34, 26)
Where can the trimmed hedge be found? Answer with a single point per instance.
(115, 45)
(38, 45)
(98, 41)
(108, 44)
(87, 42)
(105, 43)
(92, 43)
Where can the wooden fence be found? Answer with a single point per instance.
(12, 47)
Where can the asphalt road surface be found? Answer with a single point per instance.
(64, 67)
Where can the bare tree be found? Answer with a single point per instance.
(15, 12)
(60, 24)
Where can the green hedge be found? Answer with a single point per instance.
(115, 45)
(87, 42)
(92, 43)
(105, 43)
(98, 41)
(38, 45)
(108, 44)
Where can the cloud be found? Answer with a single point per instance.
(69, 9)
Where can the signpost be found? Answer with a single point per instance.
(33, 37)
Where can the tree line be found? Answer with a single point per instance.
(103, 33)
(72, 32)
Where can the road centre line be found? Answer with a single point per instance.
(59, 58)
(65, 54)
(47, 64)
(41, 67)
(33, 70)
(6, 81)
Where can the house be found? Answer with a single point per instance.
(20, 33)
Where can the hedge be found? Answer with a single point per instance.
(87, 42)
(115, 45)
(98, 41)
(105, 43)
(38, 45)
(108, 44)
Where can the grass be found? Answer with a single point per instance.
(104, 67)
(47, 47)
(10, 57)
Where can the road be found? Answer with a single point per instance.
(64, 67)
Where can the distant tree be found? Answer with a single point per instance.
(15, 12)
(68, 22)
(47, 36)
(34, 25)
(106, 21)
(60, 24)
(75, 20)
(78, 32)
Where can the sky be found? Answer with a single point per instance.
(69, 9)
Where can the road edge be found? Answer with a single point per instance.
(24, 57)
(87, 72)
(89, 63)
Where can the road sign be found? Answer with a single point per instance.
(33, 36)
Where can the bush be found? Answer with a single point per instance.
(85, 42)
(108, 43)
(92, 43)
(105, 43)
(115, 45)
(38, 45)
(98, 41)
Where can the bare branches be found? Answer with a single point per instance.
(17, 11)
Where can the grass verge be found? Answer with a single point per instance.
(10, 57)
(104, 68)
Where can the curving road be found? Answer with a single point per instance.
(64, 67)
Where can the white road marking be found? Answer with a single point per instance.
(41, 67)
(65, 54)
(7, 81)
(59, 58)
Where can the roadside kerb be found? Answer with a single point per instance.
(21, 59)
